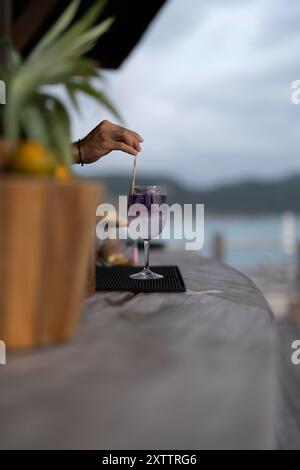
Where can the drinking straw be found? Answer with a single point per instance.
(133, 175)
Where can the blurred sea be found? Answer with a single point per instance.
(254, 241)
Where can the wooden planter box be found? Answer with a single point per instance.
(45, 233)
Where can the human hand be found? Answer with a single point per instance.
(103, 139)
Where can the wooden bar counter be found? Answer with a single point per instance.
(151, 371)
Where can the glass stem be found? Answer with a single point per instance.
(146, 248)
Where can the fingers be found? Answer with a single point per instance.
(114, 137)
(125, 148)
(130, 139)
(137, 136)
(133, 133)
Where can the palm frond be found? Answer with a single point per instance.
(61, 25)
(87, 88)
(58, 58)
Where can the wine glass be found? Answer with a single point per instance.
(148, 203)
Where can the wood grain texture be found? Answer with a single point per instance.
(44, 243)
(175, 371)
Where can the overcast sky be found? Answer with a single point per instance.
(209, 89)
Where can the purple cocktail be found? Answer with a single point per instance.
(147, 212)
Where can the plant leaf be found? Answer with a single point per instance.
(58, 58)
(71, 90)
(61, 24)
(89, 89)
(50, 126)
(16, 58)
(35, 124)
(86, 40)
(88, 20)
(60, 128)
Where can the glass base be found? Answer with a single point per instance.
(145, 275)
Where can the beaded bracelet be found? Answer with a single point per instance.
(81, 162)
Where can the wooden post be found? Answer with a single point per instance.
(27, 24)
(218, 247)
(294, 304)
(5, 31)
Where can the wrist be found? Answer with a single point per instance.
(77, 152)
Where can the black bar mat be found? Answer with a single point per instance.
(116, 278)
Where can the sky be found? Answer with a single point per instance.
(209, 89)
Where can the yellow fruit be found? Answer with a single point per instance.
(32, 158)
(62, 172)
